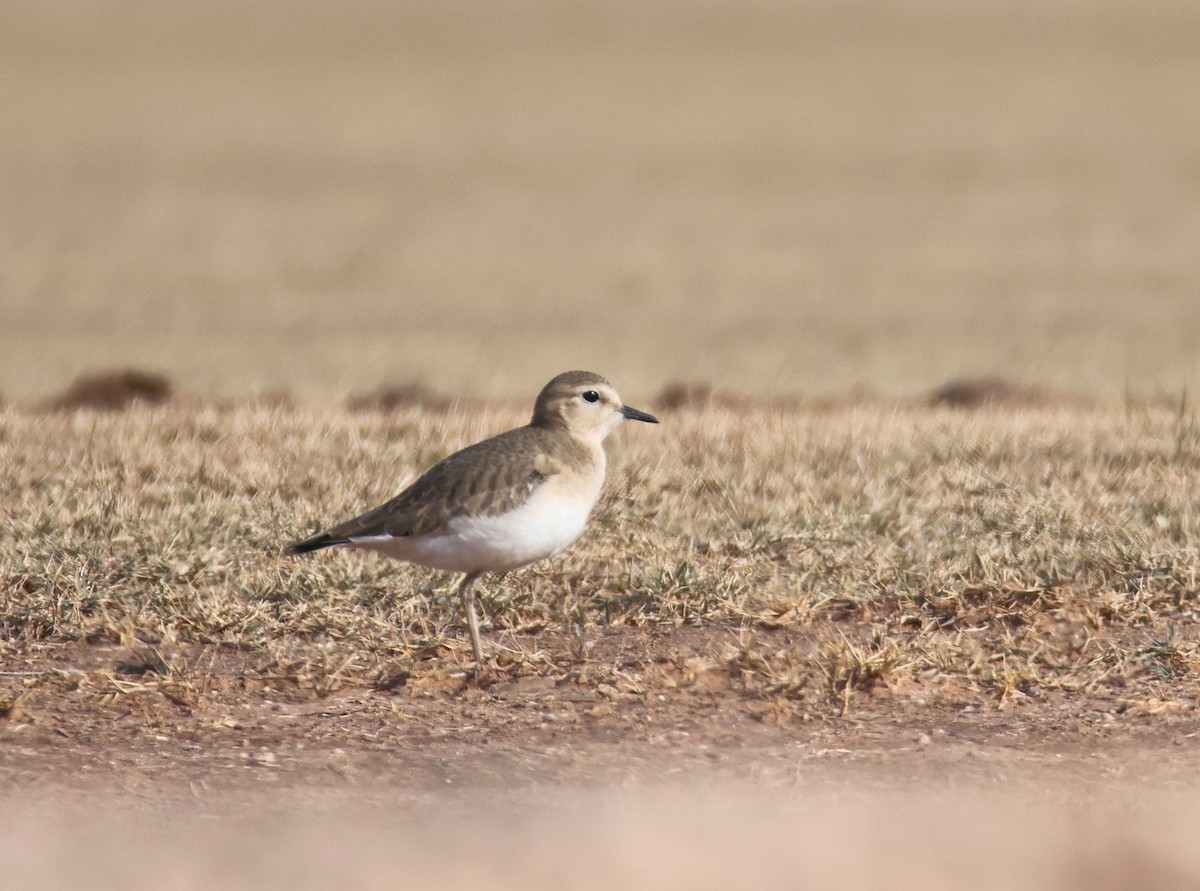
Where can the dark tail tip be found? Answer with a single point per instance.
(316, 543)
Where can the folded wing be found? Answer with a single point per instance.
(487, 479)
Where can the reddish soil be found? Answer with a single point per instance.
(82, 714)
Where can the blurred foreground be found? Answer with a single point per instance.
(926, 838)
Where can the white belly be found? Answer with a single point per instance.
(543, 526)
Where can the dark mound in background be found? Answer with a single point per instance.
(112, 390)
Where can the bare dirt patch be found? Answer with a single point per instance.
(393, 397)
(988, 391)
(112, 390)
(80, 718)
(667, 778)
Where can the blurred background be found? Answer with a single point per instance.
(810, 197)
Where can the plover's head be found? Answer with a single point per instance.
(585, 404)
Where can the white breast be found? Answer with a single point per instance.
(552, 518)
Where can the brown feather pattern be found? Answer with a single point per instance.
(489, 478)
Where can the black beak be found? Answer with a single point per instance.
(634, 415)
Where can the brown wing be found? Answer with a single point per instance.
(488, 478)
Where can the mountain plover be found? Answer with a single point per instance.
(502, 503)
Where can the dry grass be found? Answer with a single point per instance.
(992, 556)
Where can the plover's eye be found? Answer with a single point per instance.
(591, 396)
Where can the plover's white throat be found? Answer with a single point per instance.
(502, 503)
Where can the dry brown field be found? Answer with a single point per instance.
(821, 632)
(885, 613)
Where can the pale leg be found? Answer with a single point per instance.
(468, 602)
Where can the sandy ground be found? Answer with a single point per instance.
(542, 783)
